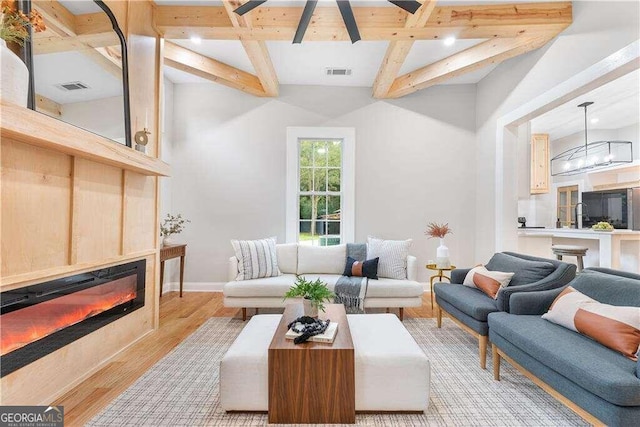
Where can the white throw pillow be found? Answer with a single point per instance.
(287, 257)
(393, 256)
(256, 258)
(321, 259)
(501, 277)
(616, 327)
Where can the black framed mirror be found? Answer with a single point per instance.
(81, 79)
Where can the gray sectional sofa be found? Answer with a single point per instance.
(604, 384)
(470, 307)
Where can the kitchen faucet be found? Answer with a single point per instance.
(584, 208)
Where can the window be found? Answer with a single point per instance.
(567, 201)
(320, 177)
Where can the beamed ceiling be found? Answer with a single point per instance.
(507, 30)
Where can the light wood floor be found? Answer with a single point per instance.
(179, 317)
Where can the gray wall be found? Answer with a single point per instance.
(414, 164)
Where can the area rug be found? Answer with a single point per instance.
(182, 388)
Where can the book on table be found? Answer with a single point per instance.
(328, 336)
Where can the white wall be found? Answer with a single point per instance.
(102, 116)
(166, 149)
(171, 270)
(414, 164)
(599, 29)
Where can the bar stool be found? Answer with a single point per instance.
(570, 250)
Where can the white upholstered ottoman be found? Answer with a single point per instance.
(244, 369)
(392, 372)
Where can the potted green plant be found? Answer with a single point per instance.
(171, 225)
(313, 294)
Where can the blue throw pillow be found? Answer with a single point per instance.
(368, 268)
(526, 271)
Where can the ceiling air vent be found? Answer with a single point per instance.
(72, 86)
(338, 71)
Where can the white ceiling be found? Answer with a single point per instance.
(305, 64)
(64, 67)
(616, 105)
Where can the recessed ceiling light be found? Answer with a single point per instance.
(196, 39)
(449, 41)
(595, 120)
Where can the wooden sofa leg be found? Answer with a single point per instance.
(484, 340)
(257, 310)
(496, 362)
(244, 314)
(401, 314)
(438, 316)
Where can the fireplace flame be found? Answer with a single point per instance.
(29, 324)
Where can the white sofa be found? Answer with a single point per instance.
(326, 263)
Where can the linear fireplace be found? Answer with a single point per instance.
(39, 319)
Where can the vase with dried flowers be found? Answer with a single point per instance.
(14, 28)
(442, 253)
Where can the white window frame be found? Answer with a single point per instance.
(347, 184)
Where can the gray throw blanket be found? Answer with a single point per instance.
(350, 291)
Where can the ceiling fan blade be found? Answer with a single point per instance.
(309, 7)
(248, 6)
(349, 20)
(410, 6)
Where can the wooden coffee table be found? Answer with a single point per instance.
(312, 382)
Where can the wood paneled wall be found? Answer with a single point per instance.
(63, 215)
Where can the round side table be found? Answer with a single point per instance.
(440, 276)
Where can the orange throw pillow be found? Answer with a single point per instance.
(613, 326)
(486, 284)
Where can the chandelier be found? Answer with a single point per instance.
(591, 156)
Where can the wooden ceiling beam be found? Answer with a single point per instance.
(56, 17)
(374, 23)
(42, 45)
(398, 50)
(48, 106)
(192, 62)
(66, 31)
(486, 53)
(93, 23)
(256, 50)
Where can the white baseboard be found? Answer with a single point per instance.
(193, 287)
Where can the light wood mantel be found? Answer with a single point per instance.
(31, 127)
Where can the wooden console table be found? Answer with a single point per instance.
(169, 252)
(312, 382)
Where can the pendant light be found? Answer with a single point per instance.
(591, 156)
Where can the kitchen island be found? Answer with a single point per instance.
(618, 249)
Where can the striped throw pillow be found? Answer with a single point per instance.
(612, 326)
(393, 256)
(256, 258)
